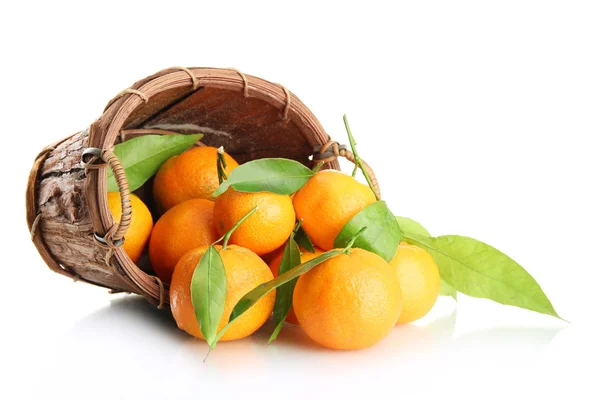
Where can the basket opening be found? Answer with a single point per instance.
(247, 127)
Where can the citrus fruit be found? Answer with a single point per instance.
(419, 279)
(327, 202)
(191, 175)
(182, 228)
(140, 226)
(244, 271)
(350, 301)
(266, 229)
(274, 265)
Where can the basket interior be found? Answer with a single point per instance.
(247, 127)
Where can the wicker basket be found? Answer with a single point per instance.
(67, 211)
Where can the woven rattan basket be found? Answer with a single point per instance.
(67, 212)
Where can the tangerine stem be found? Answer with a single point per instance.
(357, 158)
(221, 164)
(226, 237)
(297, 227)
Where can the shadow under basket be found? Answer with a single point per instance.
(67, 211)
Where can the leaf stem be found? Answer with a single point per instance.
(226, 237)
(357, 158)
(317, 167)
(353, 238)
(221, 164)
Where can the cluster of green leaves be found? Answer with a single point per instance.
(374, 228)
(466, 265)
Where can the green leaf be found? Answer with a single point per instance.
(276, 175)
(303, 240)
(479, 270)
(410, 226)
(382, 234)
(283, 301)
(263, 289)
(142, 156)
(208, 291)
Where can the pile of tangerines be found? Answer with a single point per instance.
(350, 301)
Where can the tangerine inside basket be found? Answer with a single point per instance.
(250, 117)
(247, 127)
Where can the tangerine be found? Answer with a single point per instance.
(186, 226)
(350, 301)
(244, 271)
(327, 202)
(419, 279)
(140, 226)
(263, 231)
(191, 175)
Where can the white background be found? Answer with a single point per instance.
(480, 118)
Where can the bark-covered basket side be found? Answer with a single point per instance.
(58, 216)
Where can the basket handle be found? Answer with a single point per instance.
(90, 158)
(332, 150)
(148, 286)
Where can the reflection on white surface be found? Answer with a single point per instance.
(132, 325)
(130, 344)
(133, 320)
